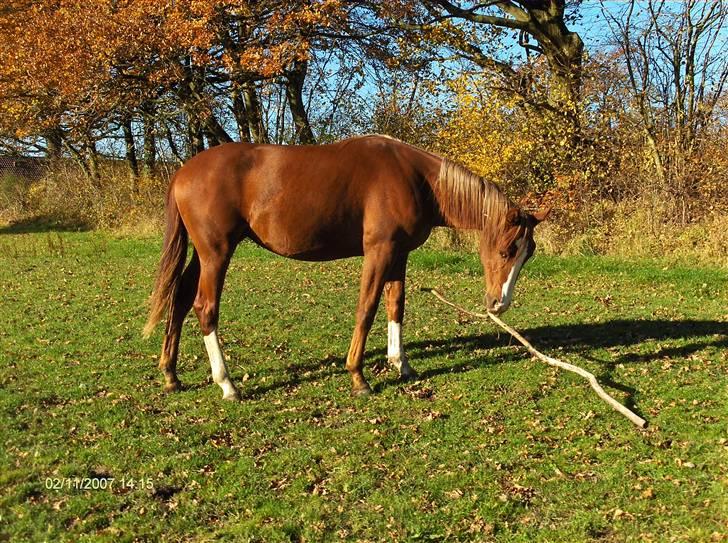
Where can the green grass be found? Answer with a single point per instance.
(488, 445)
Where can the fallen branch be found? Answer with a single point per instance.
(639, 421)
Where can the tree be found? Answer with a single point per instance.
(473, 31)
(72, 69)
(676, 61)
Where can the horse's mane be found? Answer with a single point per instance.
(468, 201)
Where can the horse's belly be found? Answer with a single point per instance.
(309, 244)
(322, 255)
(313, 254)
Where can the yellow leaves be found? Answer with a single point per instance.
(482, 131)
(493, 132)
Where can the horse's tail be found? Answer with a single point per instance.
(171, 265)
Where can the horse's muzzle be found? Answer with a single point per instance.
(493, 305)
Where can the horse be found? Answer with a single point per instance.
(371, 196)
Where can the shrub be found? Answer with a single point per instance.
(13, 197)
(67, 197)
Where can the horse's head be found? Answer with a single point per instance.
(503, 253)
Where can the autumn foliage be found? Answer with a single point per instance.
(77, 68)
(508, 89)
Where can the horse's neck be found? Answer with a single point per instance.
(465, 200)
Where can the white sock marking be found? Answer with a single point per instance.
(394, 342)
(395, 352)
(217, 364)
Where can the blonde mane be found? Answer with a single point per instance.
(467, 200)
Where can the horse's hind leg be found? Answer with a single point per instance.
(394, 296)
(182, 305)
(213, 266)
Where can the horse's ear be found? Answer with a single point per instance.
(513, 217)
(541, 214)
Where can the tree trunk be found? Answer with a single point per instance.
(80, 159)
(131, 155)
(258, 133)
(295, 78)
(241, 116)
(216, 134)
(195, 138)
(656, 157)
(94, 171)
(564, 52)
(54, 144)
(150, 143)
(199, 111)
(210, 138)
(172, 144)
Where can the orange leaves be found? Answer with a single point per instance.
(301, 16)
(80, 61)
(259, 38)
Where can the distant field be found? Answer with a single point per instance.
(488, 445)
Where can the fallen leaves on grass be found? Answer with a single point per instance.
(435, 415)
(417, 391)
(517, 492)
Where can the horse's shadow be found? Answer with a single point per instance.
(570, 338)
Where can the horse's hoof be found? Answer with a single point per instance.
(361, 392)
(233, 396)
(174, 386)
(410, 376)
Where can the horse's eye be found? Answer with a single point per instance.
(504, 255)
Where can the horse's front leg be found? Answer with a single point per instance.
(377, 260)
(394, 296)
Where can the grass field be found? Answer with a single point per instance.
(488, 445)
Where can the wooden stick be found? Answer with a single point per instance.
(639, 421)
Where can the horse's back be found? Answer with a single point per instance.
(310, 201)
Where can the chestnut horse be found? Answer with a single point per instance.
(370, 196)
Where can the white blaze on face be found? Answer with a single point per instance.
(510, 284)
(219, 369)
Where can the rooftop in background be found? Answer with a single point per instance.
(25, 167)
